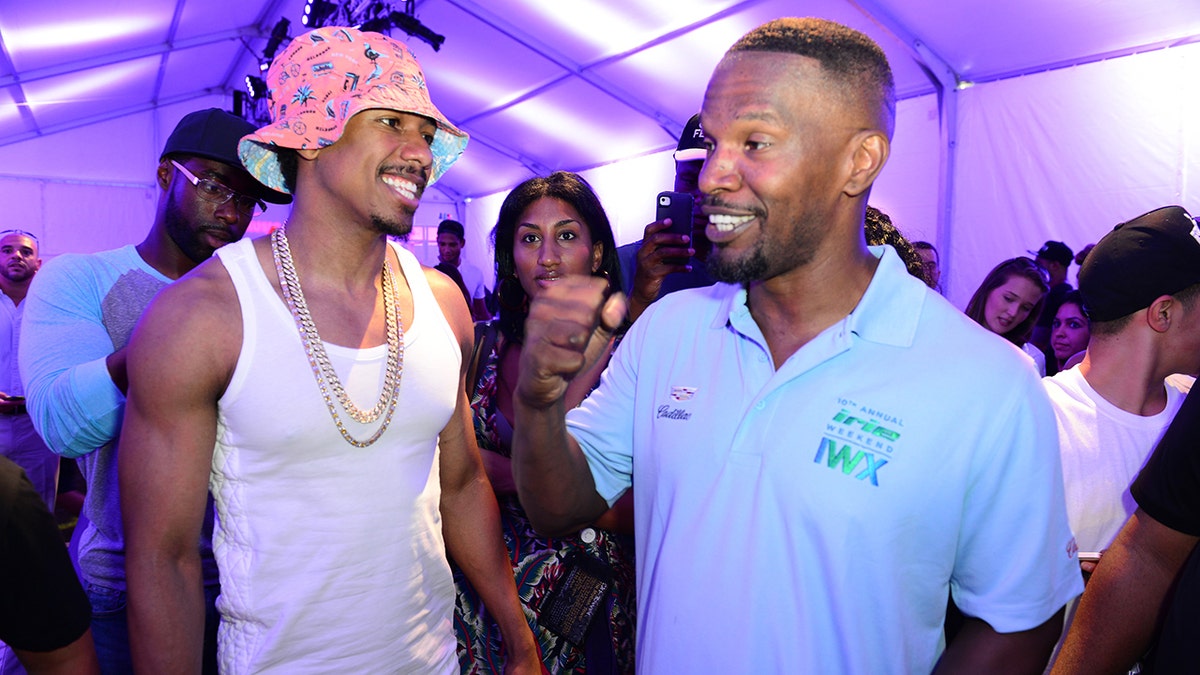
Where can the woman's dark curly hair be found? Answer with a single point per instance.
(575, 191)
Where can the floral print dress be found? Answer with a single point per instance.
(540, 565)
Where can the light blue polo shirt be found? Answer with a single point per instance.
(814, 518)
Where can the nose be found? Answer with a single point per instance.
(417, 152)
(548, 253)
(719, 172)
(228, 213)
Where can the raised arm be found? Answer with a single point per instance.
(179, 362)
(73, 398)
(659, 247)
(568, 329)
(1120, 609)
(470, 517)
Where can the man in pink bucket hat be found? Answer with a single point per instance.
(314, 380)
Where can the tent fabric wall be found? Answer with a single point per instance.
(1068, 154)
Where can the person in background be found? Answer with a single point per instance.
(650, 265)
(1080, 257)
(44, 614)
(1140, 287)
(796, 509)
(314, 379)
(451, 238)
(1008, 302)
(1144, 595)
(1070, 331)
(80, 313)
(933, 270)
(19, 262)
(549, 228)
(878, 230)
(452, 272)
(1055, 258)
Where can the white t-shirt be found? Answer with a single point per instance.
(1102, 448)
(815, 517)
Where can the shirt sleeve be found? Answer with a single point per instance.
(72, 400)
(1168, 487)
(1016, 563)
(43, 607)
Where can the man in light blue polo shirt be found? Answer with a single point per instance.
(823, 448)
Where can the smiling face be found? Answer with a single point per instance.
(376, 172)
(1010, 303)
(1070, 331)
(780, 148)
(551, 242)
(18, 257)
(196, 226)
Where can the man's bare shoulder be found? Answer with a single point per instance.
(450, 299)
(196, 319)
(206, 290)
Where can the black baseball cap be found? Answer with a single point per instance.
(214, 134)
(691, 142)
(1155, 254)
(1055, 251)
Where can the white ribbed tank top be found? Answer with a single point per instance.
(331, 556)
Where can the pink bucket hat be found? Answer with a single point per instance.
(322, 78)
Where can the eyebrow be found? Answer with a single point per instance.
(561, 223)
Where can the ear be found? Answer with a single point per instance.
(1162, 312)
(597, 256)
(870, 151)
(308, 153)
(163, 173)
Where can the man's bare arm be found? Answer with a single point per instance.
(77, 658)
(470, 516)
(179, 361)
(980, 650)
(568, 329)
(1121, 608)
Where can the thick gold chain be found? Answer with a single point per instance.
(314, 348)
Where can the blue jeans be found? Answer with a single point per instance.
(110, 629)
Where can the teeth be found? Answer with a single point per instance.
(404, 187)
(727, 223)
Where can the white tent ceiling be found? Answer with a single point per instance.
(539, 84)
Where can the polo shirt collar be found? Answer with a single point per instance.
(888, 312)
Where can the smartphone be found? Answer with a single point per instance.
(678, 207)
(1088, 556)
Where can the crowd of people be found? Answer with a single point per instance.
(767, 445)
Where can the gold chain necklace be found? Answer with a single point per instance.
(327, 377)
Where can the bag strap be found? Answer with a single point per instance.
(485, 341)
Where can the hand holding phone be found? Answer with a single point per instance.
(676, 206)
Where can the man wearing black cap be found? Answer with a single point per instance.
(80, 312)
(1055, 257)
(651, 265)
(1139, 287)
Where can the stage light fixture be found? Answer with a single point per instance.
(316, 12)
(255, 87)
(278, 34)
(411, 25)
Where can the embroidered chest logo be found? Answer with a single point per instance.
(678, 395)
(858, 441)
